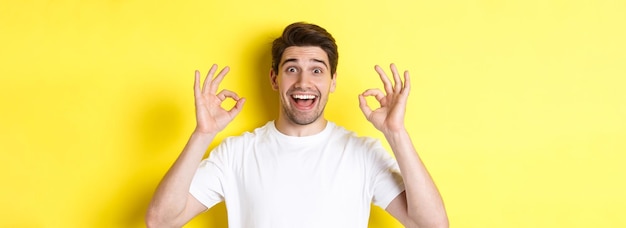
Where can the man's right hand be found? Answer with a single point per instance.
(211, 118)
(172, 204)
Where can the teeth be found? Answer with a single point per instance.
(303, 96)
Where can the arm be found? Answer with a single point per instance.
(172, 205)
(420, 205)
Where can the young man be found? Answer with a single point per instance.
(300, 170)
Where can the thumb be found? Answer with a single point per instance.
(237, 107)
(364, 107)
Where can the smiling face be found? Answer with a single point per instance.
(304, 82)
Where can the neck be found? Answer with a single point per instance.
(288, 127)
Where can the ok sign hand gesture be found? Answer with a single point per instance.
(210, 116)
(389, 117)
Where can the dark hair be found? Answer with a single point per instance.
(305, 34)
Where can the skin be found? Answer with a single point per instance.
(172, 205)
(420, 205)
(303, 72)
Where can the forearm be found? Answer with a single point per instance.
(170, 198)
(424, 203)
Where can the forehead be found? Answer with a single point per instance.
(304, 53)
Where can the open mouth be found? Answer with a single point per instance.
(304, 101)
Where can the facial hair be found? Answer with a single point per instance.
(302, 118)
(299, 119)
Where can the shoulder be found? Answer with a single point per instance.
(353, 139)
(238, 144)
(249, 136)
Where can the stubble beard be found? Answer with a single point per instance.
(302, 118)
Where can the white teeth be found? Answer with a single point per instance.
(303, 96)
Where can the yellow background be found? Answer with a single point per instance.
(518, 107)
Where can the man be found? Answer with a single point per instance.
(300, 170)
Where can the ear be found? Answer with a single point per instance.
(273, 77)
(333, 82)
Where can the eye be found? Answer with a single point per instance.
(317, 71)
(292, 69)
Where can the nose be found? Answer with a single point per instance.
(303, 81)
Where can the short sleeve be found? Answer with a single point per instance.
(207, 185)
(387, 180)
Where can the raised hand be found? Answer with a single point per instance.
(210, 116)
(389, 117)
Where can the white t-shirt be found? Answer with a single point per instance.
(269, 179)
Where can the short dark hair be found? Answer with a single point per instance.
(305, 34)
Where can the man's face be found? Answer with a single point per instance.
(304, 82)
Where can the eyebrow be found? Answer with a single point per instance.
(312, 60)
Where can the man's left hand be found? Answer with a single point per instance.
(389, 117)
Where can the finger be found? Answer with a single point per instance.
(384, 78)
(196, 84)
(234, 111)
(374, 92)
(222, 95)
(207, 80)
(364, 107)
(396, 78)
(377, 94)
(407, 83)
(215, 83)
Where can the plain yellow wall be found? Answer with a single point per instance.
(518, 107)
